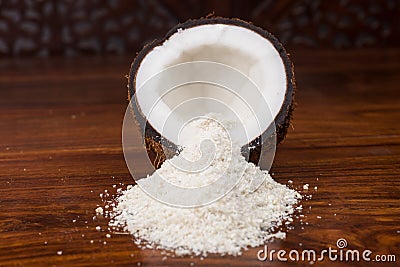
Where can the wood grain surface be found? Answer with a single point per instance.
(60, 147)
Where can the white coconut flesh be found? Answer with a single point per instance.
(239, 48)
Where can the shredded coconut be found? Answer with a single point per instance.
(99, 211)
(242, 218)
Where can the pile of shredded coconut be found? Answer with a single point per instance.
(242, 218)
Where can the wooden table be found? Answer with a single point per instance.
(60, 132)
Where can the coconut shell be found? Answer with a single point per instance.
(159, 148)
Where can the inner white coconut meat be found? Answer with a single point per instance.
(246, 83)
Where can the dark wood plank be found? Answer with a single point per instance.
(60, 130)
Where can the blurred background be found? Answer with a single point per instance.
(33, 28)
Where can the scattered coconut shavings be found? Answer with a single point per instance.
(99, 211)
(243, 218)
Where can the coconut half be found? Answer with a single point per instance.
(232, 42)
